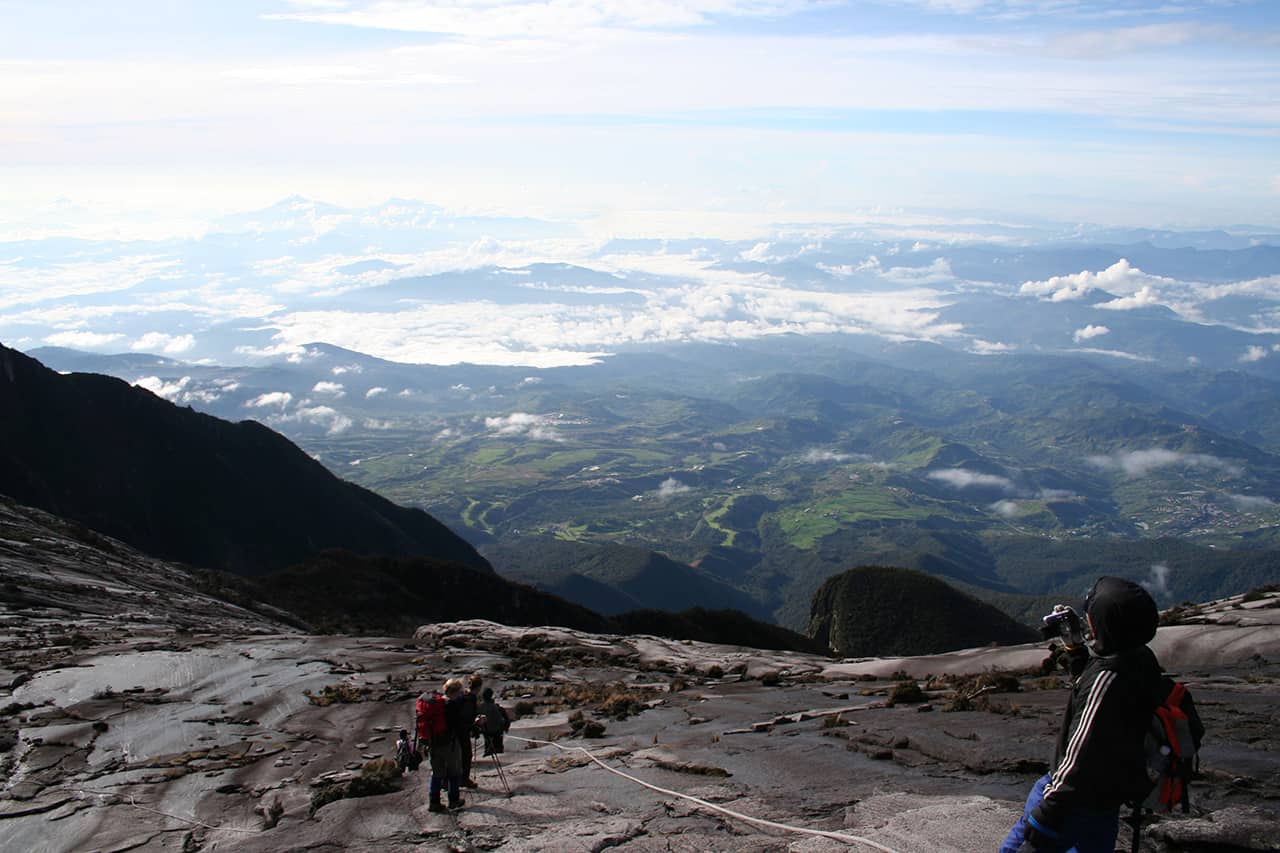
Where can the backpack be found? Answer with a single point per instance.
(407, 756)
(431, 721)
(1172, 748)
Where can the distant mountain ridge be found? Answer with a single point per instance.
(185, 486)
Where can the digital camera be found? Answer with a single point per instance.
(1064, 622)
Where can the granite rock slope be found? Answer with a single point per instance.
(171, 739)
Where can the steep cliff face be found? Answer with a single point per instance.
(877, 610)
(186, 486)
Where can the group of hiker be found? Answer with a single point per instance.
(1129, 734)
(444, 726)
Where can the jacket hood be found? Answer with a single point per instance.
(1124, 615)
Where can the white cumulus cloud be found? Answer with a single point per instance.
(1089, 332)
(161, 342)
(961, 478)
(538, 427)
(270, 399)
(374, 392)
(332, 389)
(1253, 353)
(1121, 278)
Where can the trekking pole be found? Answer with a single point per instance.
(502, 777)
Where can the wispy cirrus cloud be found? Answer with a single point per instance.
(81, 339)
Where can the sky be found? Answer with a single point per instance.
(640, 117)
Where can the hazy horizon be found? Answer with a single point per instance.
(703, 118)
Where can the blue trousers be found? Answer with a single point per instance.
(1083, 832)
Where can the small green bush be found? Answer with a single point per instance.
(906, 693)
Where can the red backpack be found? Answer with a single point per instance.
(430, 717)
(1172, 748)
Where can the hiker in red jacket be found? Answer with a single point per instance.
(440, 724)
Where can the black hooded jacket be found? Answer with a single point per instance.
(1099, 762)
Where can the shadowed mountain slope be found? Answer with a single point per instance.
(186, 486)
(874, 610)
(614, 579)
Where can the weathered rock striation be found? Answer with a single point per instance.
(174, 737)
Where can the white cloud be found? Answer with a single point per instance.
(168, 390)
(181, 390)
(1055, 494)
(537, 427)
(1144, 298)
(671, 487)
(495, 19)
(982, 347)
(1115, 353)
(374, 392)
(332, 389)
(531, 380)
(961, 478)
(346, 368)
(1120, 278)
(1005, 508)
(1139, 463)
(1157, 583)
(331, 420)
(1253, 353)
(817, 456)
(935, 273)
(270, 399)
(82, 339)
(1089, 332)
(1252, 503)
(161, 342)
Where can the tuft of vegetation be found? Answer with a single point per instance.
(906, 693)
(772, 678)
(273, 814)
(343, 692)
(380, 776)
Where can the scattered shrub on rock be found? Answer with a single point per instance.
(380, 776)
(593, 729)
(906, 693)
(772, 678)
(715, 671)
(343, 691)
(273, 814)
(524, 708)
(326, 794)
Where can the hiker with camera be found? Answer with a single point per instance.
(1100, 760)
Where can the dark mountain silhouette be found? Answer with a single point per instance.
(186, 486)
(876, 610)
(730, 627)
(613, 578)
(337, 591)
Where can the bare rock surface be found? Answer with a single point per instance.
(137, 715)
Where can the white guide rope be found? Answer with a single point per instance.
(803, 830)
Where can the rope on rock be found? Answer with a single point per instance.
(137, 805)
(803, 830)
